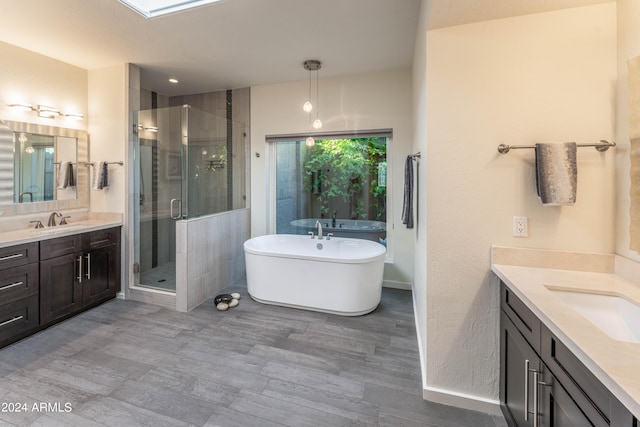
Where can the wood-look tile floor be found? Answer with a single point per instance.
(126, 363)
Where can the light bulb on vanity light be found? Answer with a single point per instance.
(307, 107)
(317, 124)
(310, 142)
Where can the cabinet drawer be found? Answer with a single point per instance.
(18, 317)
(101, 238)
(527, 323)
(19, 282)
(60, 246)
(14, 256)
(592, 397)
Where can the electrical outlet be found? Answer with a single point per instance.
(520, 226)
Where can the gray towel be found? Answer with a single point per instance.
(65, 175)
(556, 173)
(70, 177)
(100, 176)
(105, 175)
(407, 204)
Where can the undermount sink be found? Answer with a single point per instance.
(58, 229)
(616, 316)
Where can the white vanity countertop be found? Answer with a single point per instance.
(16, 237)
(615, 363)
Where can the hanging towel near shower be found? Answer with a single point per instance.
(407, 204)
(105, 175)
(556, 173)
(96, 182)
(100, 176)
(66, 177)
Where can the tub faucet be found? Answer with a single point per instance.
(319, 230)
(333, 219)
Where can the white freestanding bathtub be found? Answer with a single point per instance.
(340, 276)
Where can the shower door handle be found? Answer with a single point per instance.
(179, 209)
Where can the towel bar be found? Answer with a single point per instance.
(108, 163)
(600, 146)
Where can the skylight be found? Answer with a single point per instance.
(153, 8)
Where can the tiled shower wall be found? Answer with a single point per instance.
(209, 255)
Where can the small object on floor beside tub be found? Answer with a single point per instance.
(226, 298)
(224, 302)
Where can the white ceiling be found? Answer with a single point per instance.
(241, 43)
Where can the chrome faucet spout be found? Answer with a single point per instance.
(52, 219)
(319, 230)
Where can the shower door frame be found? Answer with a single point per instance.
(164, 158)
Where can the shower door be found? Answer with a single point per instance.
(158, 195)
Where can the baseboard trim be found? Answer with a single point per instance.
(447, 397)
(396, 285)
(461, 400)
(423, 368)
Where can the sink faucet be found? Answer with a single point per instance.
(52, 219)
(26, 193)
(333, 219)
(319, 230)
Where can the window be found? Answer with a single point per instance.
(340, 181)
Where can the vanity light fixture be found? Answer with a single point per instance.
(172, 80)
(46, 111)
(23, 107)
(310, 142)
(74, 116)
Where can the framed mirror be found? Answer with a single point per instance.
(42, 168)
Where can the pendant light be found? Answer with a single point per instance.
(312, 65)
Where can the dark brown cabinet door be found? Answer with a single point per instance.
(101, 280)
(559, 409)
(518, 362)
(60, 287)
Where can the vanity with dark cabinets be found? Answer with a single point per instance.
(47, 281)
(542, 383)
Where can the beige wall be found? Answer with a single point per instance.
(369, 101)
(628, 47)
(30, 78)
(541, 77)
(108, 134)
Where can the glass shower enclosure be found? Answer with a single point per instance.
(187, 163)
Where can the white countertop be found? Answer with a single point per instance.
(615, 363)
(16, 237)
